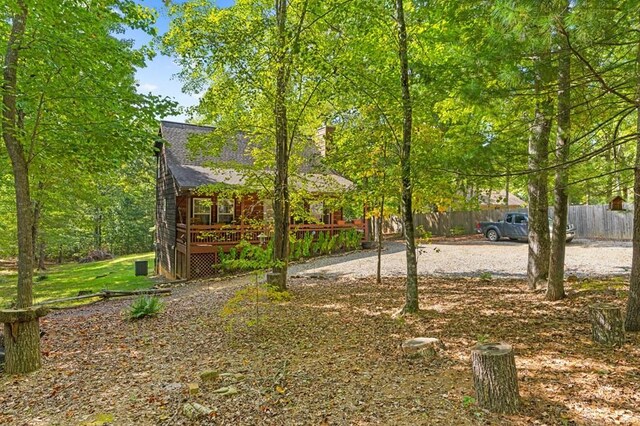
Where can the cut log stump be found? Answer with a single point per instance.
(22, 339)
(495, 379)
(274, 279)
(427, 347)
(607, 326)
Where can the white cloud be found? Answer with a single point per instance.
(147, 87)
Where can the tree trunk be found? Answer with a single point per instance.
(281, 194)
(607, 327)
(22, 347)
(42, 266)
(506, 188)
(632, 322)
(538, 259)
(379, 238)
(495, 379)
(23, 354)
(35, 229)
(411, 301)
(555, 283)
(97, 229)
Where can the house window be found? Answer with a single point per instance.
(317, 211)
(225, 210)
(201, 211)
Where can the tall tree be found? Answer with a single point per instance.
(411, 295)
(555, 283)
(261, 72)
(67, 99)
(538, 258)
(281, 206)
(609, 49)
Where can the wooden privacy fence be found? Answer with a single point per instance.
(592, 221)
(600, 222)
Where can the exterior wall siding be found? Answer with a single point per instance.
(165, 219)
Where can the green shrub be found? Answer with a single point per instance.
(457, 231)
(423, 233)
(352, 239)
(246, 257)
(145, 306)
(485, 276)
(307, 241)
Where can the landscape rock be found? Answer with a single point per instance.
(172, 387)
(193, 410)
(422, 346)
(193, 388)
(227, 390)
(210, 376)
(233, 377)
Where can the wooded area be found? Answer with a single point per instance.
(432, 105)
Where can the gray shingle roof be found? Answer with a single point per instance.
(192, 171)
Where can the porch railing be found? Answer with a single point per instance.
(219, 235)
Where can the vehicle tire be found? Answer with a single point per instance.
(492, 235)
(569, 240)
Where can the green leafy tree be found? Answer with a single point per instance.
(69, 101)
(259, 68)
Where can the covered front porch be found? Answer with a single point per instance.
(207, 225)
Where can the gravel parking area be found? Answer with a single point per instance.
(470, 258)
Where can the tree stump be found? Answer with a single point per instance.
(607, 326)
(422, 347)
(22, 339)
(274, 279)
(495, 379)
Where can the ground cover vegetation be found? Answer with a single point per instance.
(328, 354)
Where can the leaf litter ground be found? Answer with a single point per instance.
(330, 356)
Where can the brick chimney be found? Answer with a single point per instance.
(324, 137)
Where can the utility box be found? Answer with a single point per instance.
(142, 268)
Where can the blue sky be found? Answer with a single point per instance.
(158, 77)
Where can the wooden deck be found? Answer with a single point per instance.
(210, 238)
(197, 246)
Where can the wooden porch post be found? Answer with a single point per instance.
(188, 237)
(364, 221)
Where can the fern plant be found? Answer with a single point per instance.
(145, 306)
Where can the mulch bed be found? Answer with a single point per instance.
(330, 356)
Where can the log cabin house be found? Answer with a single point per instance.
(192, 228)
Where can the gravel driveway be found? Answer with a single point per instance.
(470, 258)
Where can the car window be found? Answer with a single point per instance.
(509, 218)
(520, 218)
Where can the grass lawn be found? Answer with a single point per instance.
(68, 279)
